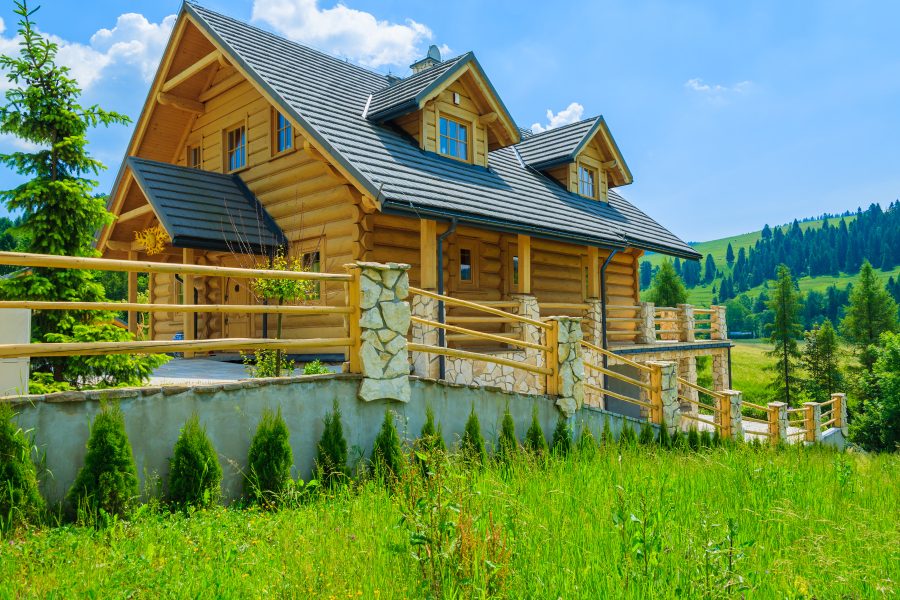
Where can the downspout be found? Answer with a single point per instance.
(440, 276)
(603, 319)
(729, 369)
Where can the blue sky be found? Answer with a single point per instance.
(730, 115)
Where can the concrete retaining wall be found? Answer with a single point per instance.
(154, 416)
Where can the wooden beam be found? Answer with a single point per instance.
(428, 248)
(593, 272)
(212, 57)
(120, 246)
(132, 296)
(188, 294)
(221, 87)
(610, 164)
(131, 214)
(524, 250)
(488, 118)
(179, 102)
(118, 201)
(313, 151)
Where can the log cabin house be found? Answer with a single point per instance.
(248, 142)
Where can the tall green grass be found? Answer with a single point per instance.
(630, 523)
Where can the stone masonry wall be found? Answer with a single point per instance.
(571, 365)
(425, 364)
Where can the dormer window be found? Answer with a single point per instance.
(586, 182)
(454, 139)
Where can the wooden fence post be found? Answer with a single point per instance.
(813, 416)
(553, 358)
(353, 328)
(132, 296)
(187, 291)
(778, 422)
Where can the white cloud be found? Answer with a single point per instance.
(564, 117)
(698, 85)
(346, 32)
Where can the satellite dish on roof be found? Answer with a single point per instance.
(434, 53)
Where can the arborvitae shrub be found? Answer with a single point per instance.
(270, 459)
(562, 437)
(534, 437)
(717, 437)
(606, 436)
(508, 444)
(679, 441)
(108, 480)
(20, 500)
(432, 439)
(627, 438)
(757, 445)
(331, 454)
(664, 440)
(387, 456)
(705, 439)
(473, 442)
(693, 439)
(195, 471)
(587, 445)
(647, 437)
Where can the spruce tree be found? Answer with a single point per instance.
(872, 311)
(507, 445)
(821, 360)
(710, 271)
(668, 288)
(20, 500)
(108, 480)
(562, 437)
(473, 442)
(587, 445)
(387, 456)
(194, 471)
(783, 335)
(887, 259)
(534, 437)
(331, 453)
(729, 254)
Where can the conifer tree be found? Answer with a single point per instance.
(710, 272)
(693, 438)
(783, 333)
(716, 437)
(872, 311)
(270, 458)
(705, 439)
(887, 259)
(108, 480)
(387, 456)
(821, 360)
(627, 438)
(668, 288)
(432, 438)
(729, 254)
(20, 500)
(195, 471)
(534, 437)
(562, 437)
(587, 445)
(507, 445)
(331, 453)
(664, 440)
(647, 437)
(606, 436)
(473, 442)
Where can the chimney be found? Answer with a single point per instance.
(433, 58)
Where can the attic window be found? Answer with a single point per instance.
(283, 133)
(195, 157)
(454, 139)
(237, 148)
(586, 179)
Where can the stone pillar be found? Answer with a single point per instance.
(720, 369)
(665, 400)
(813, 417)
(593, 317)
(570, 370)
(778, 422)
(840, 406)
(647, 324)
(687, 369)
(383, 354)
(423, 363)
(644, 395)
(528, 307)
(717, 324)
(732, 421)
(685, 316)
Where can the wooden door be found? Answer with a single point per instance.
(237, 325)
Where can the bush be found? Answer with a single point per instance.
(472, 441)
(693, 438)
(264, 363)
(508, 444)
(664, 440)
(716, 437)
(270, 458)
(606, 436)
(331, 454)
(705, 439)
(627, 438)
(387, 457)
(432, 439)
(647, 436)
(20, 500)
(587, 445)
(108, 480)
(562, 437)
(679, 441)
(315, 368)
(534, 437)
(876, 426)
(195, 472)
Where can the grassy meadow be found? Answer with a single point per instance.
(631, 523)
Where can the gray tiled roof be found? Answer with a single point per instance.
(204, 210)
(560, 145)
(408, 91)
(327, 96)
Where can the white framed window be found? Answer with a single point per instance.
(587, 182)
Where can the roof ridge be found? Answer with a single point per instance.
(562, 127)
(423, 73)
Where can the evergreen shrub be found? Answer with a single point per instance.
(473, 442)
(647, 436)
(108, 480)
(331, 453)
(20, 500)
(534, 437)
(387, 456)
(606, 436)
(664, 440)
(508, 444)
(587, 445)
(627, 438)
(195, 472)
(270, 458)
(716, 437)
(693, 439)
(705, 439)
(562, 437)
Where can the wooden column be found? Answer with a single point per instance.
(428, 249)
(524, 250)
(188, 293)
(132, 296)
(593, 281)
